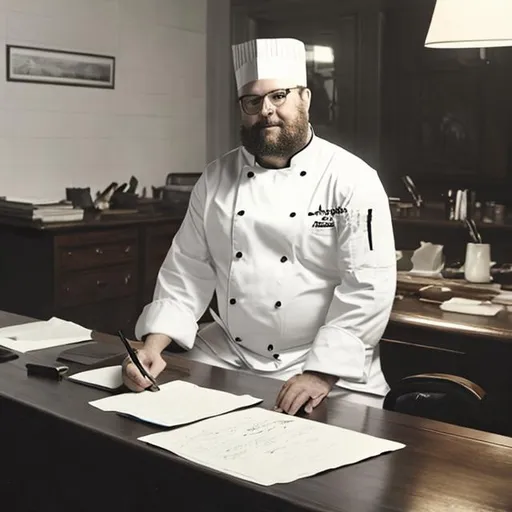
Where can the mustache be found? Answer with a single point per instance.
(261, 125)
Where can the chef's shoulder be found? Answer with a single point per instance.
(225, 167)
(348, 170)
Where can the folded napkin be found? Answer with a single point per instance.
(428, 260)
(471, 307)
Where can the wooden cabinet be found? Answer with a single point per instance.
(98, 273)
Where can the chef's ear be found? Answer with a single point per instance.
(305, 94)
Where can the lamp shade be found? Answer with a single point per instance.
(470, 24)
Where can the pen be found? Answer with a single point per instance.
(133, 356)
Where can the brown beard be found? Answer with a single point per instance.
(291, 139)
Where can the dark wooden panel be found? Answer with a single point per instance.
(401, 358)
(105, 316)
(26, 271)
(156, 243)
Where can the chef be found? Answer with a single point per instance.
(294, 236)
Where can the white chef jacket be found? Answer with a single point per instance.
(302, 260)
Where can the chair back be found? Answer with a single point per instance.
(438, 396)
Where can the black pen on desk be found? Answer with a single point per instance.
(135, 360)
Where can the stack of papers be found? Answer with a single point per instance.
(266, 447)
(39, 335)
(177, 403)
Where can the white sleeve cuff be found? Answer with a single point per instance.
(166, 317)
(337, 352)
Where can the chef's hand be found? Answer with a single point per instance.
(307, 389)
(151, 360)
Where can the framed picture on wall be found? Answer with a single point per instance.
(59, 67)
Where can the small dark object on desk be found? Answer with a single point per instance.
(47, 371)
(453, 270)
(436, 294)
(123, 200)
(80, 198)
(502, 274)
(7, 355)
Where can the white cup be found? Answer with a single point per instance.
(477, 267)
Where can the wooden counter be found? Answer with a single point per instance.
(415, 313)
(420, 337)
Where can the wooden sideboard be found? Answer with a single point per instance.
(99, 272)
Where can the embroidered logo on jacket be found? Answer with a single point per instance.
(328, 214)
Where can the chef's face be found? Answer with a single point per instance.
(275, 118)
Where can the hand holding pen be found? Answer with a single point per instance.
(138, 365)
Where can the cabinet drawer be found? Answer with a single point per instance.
(92, 250)
(92, 286)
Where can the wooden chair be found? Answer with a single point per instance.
(441, 397)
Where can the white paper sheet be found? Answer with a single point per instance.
(177, 403)
(266, 447)
(109, 377)
(45, 334)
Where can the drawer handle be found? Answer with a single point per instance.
(68, 289)
(99, 251)
(127, 249)
(127, 278)
(70, 253)
(101, 284)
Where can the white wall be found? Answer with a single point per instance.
(152, 123)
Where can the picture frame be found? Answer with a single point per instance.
(59, 67)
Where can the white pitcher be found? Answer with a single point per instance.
(477, 267)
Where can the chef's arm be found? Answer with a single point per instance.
(185, 283)
(362, 302)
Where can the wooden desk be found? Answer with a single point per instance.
(63, 454)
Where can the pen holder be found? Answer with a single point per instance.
(477, 267)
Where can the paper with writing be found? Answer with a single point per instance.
(177, 403)
(266, 447)
(40, 335)
(109, 377)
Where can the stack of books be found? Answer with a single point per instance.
(39, 210)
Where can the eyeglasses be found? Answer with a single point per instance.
(252, 103)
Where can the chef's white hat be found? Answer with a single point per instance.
(276, 59)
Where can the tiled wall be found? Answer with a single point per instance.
(152, 123)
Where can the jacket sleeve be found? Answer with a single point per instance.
(186, 279)
(362, 302)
